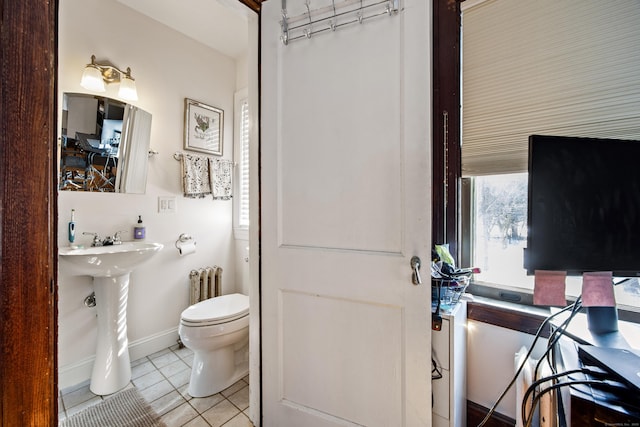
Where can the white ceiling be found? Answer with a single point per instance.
(220, 24)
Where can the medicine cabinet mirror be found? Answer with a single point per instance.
(104, 145)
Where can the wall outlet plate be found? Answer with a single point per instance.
(167, 204)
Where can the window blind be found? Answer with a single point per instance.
(243, 187)
(568, 68)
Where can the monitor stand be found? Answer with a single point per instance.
(602, 323)
(602, 320)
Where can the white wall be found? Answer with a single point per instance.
(168, 67)
(490, 363)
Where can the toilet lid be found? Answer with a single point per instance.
(219, 309)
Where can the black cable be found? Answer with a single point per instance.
(559, 385)
(531, 389)
(557, 334)
(553, 340)
(554, 337)
(515, 377)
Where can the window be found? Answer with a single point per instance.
(500, 229)
(544, 67)
(241, 217)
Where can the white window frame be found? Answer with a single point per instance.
(241, 140)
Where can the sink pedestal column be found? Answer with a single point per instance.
(112, 368)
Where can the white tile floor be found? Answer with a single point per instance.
(162, 379)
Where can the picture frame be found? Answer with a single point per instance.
(203, 127)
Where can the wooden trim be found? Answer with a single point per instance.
(507, 317)
(254, 5)
(28, 380)
(476, 413)
(446, 98)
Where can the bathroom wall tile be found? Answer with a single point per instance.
(221, 413)
(180, 415)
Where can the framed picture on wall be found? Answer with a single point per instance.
(203, 126)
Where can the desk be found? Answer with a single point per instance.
(588, 405)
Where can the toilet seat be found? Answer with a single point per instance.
(216, 311)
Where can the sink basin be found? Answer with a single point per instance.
(109, 261)
(110, 267)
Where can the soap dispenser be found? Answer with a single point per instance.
(139, 230)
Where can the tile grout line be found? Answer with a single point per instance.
(164, 378)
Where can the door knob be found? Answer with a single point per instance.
(415, 266)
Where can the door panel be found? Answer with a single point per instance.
(346, 156)
(345, 185)
(338, 349)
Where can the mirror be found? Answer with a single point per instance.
(104, 145)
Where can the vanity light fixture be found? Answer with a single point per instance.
(96, 75)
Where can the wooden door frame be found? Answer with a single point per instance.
(28, 212)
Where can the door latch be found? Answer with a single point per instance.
(415, 266)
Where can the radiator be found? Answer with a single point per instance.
(205, 283)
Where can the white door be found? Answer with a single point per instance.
(345, 204)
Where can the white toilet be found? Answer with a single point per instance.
(217, 330)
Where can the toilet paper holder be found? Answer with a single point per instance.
(184, 239)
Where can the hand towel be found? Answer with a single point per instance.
(221, 171)
(195, 176)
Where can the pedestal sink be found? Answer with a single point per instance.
(110, 267)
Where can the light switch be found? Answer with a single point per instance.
(166, 204)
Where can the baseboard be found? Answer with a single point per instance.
(153, 343)
(476, 413)
(80, 372)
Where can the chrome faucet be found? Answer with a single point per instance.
(96, 239)
(107, 241)
(116, 237)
